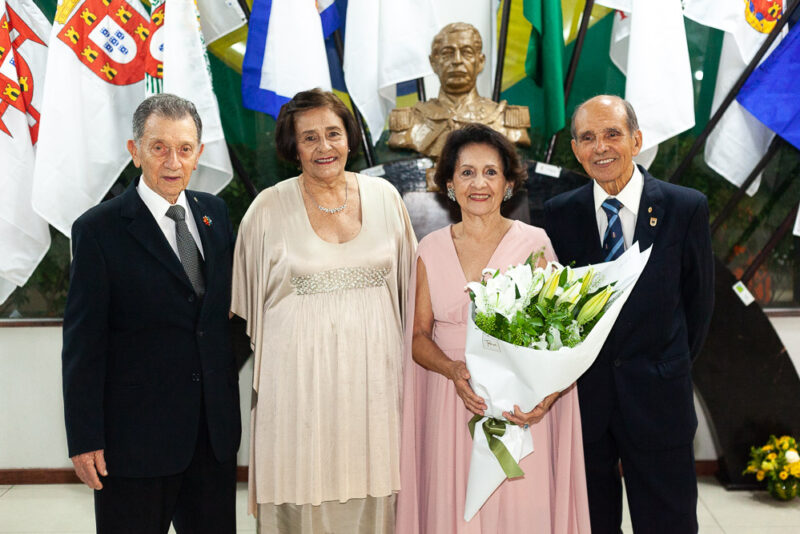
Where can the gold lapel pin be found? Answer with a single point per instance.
(650, 209)
(653, 221)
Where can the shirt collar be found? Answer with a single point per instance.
(630, 196)
(157, 204)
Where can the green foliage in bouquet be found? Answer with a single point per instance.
(542, 308)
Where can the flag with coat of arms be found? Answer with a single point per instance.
(739, 140)
(101, 52)
(24, 236)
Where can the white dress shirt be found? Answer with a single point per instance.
(158, 206)
(630, 196)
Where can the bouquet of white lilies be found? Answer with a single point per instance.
(532, 331)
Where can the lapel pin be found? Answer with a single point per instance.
(207, 220)
(653, 221)
(650, 209)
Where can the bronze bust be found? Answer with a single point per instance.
(457, 59)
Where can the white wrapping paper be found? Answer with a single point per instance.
(505, 375)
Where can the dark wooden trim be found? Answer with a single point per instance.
(11, 477)
(16, 323)
(782, 312)
(38, 476)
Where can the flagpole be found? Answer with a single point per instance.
(245, 9)
(573, 67)
(421, 90)
(241, 172)
(501, 50)
(366, 142)
(740, 193)
(725, 104)
(785, 226)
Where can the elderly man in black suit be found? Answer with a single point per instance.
(151, 395)
(636, 400)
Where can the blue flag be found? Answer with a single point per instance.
(285, 51)
(772, 92)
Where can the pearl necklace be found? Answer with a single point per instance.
(331, 211)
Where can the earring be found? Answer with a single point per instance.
(451, 193)
(508, 194)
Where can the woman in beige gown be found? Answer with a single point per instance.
(320, 272)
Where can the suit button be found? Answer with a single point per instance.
(199, 333)
(191, 298)
(617, 362)
(195, 377)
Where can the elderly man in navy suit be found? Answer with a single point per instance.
(151, 395)
(636, 399)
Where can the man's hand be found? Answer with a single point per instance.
(88, 465)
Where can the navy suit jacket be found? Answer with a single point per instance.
(143, 356)
(644, 366)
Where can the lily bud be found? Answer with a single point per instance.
(594, 305)
(587, 281)
(550, 287)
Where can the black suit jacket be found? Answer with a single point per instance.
(143, 355)
(645, 363)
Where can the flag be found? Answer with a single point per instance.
(187, 73)
(545, 60)
(285, 52)
(95, 80)
(220, 17)
(24, 236)
(386, 42)
(483, 15)
(772, 93)
(739, 140)
(648, 44)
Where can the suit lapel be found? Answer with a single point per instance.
(651, 212)
(145, 230)
(588, 226)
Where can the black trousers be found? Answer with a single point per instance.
(200, 500)
(661, 485)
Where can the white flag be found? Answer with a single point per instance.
(188, 75)
(220, 17)
(95, 80)
(482, 15)
(386, 42)
(24, 236)
(739, 140)
(285, 53)
(648, 44)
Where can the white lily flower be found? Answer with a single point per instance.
(792, 457)
(481, 297)
(502, 296)
(488, 272)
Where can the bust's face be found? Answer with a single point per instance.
(457, 62)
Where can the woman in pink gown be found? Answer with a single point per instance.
(478, 169)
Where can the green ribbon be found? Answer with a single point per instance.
(494, 429)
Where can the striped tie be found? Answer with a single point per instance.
(613, 243)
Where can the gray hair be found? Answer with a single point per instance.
(454, 27)
(168, 106)
(630, 115)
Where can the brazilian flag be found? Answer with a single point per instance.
(545, 59)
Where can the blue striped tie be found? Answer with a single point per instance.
(613, 243)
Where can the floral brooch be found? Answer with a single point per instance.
(206, 220)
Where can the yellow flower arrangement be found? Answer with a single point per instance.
(777, 462)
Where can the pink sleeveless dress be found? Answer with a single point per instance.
(436, 445)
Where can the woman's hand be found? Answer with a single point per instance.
(460, 376)
(524, 419)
